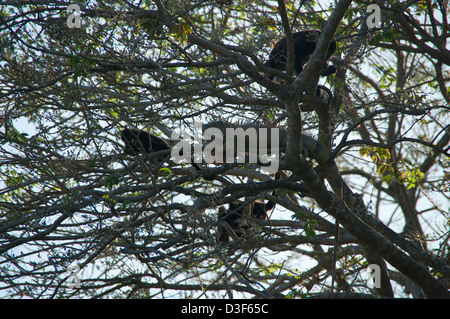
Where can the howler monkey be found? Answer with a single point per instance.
(140, 142)
(304, 46)
(234, 218)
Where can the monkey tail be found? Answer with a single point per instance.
(271, 205)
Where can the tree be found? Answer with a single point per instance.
(74, 206)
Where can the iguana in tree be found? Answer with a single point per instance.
(312, 149)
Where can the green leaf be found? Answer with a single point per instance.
(111, 181)
(309, 229)
(165, 171)
(74, 61)
(387, 178)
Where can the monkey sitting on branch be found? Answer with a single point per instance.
(304, 46)
(141, 142)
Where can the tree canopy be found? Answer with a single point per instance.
(80, 218)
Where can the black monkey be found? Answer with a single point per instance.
(304, 46)
(234, 218)
(140, 142)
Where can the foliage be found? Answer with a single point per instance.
(70, 196)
